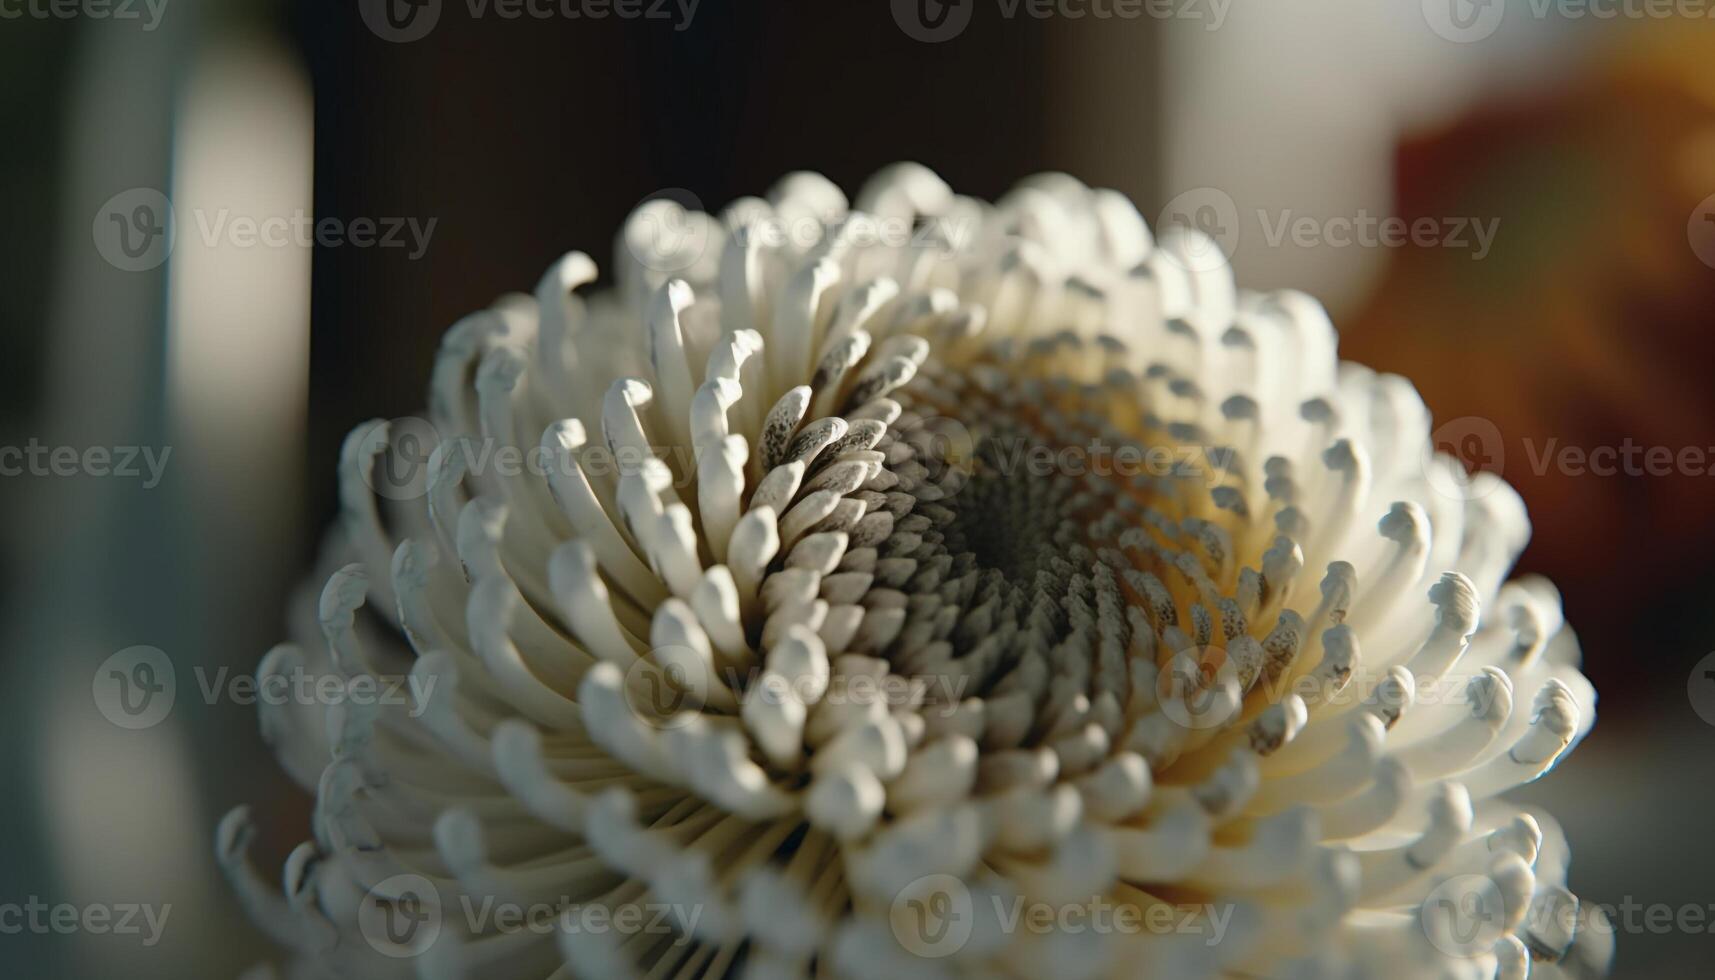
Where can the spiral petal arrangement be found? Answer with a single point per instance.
(852, 575)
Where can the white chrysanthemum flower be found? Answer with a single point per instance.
(920, 587)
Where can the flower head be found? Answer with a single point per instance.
(915, 587)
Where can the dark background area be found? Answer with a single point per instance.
(598, 115)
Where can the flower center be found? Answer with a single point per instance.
(1013, 515)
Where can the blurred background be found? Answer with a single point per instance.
(1513, 203)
